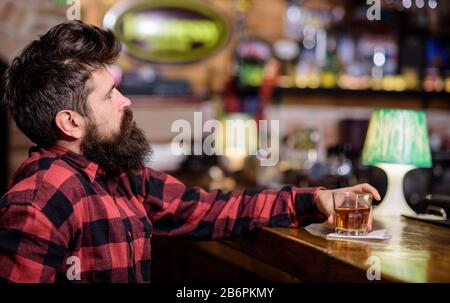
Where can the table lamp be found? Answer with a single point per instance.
(396, 141)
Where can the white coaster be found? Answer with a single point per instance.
(376, 234)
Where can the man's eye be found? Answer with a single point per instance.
(110, 95)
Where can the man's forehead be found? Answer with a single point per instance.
(101, 79)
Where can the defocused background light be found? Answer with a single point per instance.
(407, 3)
(432, 4)
(293, 13)
(379, 58)
(420, 3)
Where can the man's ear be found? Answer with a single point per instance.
(70, 123)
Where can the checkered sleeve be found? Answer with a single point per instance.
(31, 248)
(177, 210)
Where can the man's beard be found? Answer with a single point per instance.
(126, 151)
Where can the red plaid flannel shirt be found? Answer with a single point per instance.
(60, 206)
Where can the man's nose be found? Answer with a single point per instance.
(124, 102)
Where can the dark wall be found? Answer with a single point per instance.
(3, 140)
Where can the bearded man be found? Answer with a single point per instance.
(84, 193)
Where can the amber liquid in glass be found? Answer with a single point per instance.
(352, 220)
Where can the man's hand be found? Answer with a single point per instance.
(324, 199)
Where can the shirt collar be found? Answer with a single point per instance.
(75, 160)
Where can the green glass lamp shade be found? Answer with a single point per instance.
(398, 137)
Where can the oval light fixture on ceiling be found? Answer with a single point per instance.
(167, 31)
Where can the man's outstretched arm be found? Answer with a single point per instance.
(178, 210)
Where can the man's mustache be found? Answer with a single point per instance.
(127, 121)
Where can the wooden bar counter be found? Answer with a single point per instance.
(416, 252)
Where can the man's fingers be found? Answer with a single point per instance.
(331, 218)
(367, 188)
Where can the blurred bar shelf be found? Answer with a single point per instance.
(365, 92)
(350, 97)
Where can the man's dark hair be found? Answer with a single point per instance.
(50, 75)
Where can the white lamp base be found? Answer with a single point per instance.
(394, 203)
